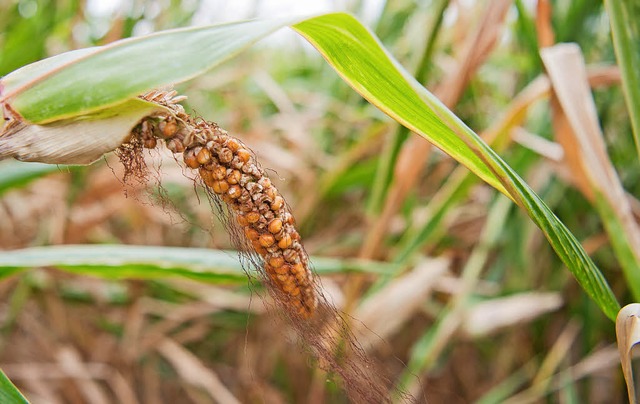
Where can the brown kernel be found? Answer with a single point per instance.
(285, 241)
(242, 221)
(252, 217)
(275, 226)
(220, 187)
(295, 292)
(291, 256)
(190, 159)
(282, 269)
(276, 262)
(219, 173)
(175, 146)
(234, 177)
(259, 249)
(244, 155)
(203, 156)
(234, 191)
(206, 176)
(225, 155)
(267, 240)
(288, 287)
(168, 128)
(283, 278)
(150, 143)
(271, 192)
(251, 234)
(233, 145)
(277, 203)
(298, 268)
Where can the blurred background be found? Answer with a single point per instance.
(463, 297)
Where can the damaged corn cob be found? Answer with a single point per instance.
(230, 170)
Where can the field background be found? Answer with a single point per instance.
(459, 294)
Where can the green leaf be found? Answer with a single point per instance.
(9, 394)
(362, 62)
(625, 29)
(83, 81)
(144, 262)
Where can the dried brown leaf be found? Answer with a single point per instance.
(628, 335)
(386, 311)
(492, 315)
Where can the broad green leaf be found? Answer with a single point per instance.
(87, 80)
(144, 262)
(362, 62)
(625, 29)
(9, 394)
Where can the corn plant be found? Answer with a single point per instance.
(74, 107)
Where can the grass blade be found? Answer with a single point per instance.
(145, 262)
(9, 394)
(625, 29)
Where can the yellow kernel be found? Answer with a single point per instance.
(267, 240)
(271, 192)
(203, 156)
(275, 226)
(285, 241)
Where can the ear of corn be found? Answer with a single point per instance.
(229, 170)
